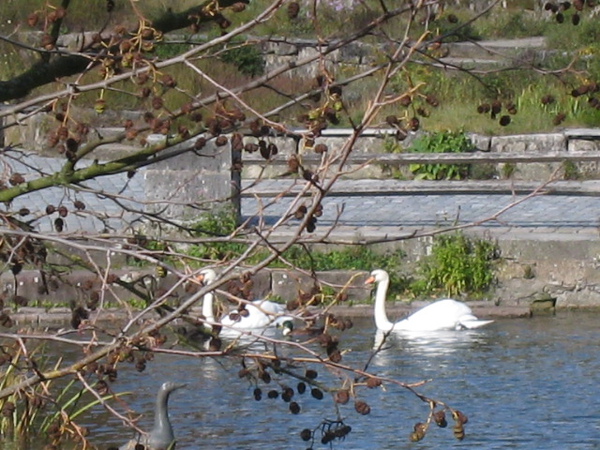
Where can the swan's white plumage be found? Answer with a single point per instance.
(261, 313)
(446, 314)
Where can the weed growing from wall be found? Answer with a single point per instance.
(441, 142)
(458, 266)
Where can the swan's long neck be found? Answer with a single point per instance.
(162, 431)
(207, 307)
(381, 320)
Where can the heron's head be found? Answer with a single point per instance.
(170, 386)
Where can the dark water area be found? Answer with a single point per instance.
(523, 383)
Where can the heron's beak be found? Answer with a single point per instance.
(370, 280)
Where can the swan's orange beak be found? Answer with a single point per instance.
(199, 279)
(370, 280)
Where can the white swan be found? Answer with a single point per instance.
(258, 314)
(446, 314)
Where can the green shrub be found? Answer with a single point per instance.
(457, 266)
(441, 142)
(248, 60)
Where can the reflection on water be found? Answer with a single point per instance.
(431, 343)
(523, 383)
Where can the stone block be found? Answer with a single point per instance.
(288, 284)
(523, 143)
(183, 194)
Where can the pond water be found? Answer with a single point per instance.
(523, 383)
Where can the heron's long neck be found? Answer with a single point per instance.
(162, 425)
(381, 319)
(207, 307)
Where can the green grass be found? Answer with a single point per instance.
(459, 95)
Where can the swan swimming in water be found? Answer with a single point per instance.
(446, 314)
(260, 313)
(161, 437)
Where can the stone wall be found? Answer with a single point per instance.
(377, 141)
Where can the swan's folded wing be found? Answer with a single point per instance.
(471, 322)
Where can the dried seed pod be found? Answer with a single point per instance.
(311, 374)
(287, 393)
(200, 143)
(484, 108)
(157, 102)
(24, 212)
(362, 407)
(312, 225)
(440, 419)
(405, 100)
(432, 100)
(373, 382)
(237, 142)
(414, 123)
(301, 387)
(79, 205)
(213, 126)
(257, 394)
(48, 41)
(306, 435)
(238, 7)
(318, 210)
(320, 148)
(342, 396)
(559, 118)
(168, 81)
(16, 178)
(293, 10)
(32, 20)
(317, 393)
(423, 112)
(459, 417)
(250, 147)
(392, 120)
(504, 120)
(273, 394)
(8, 408)
(183, 132)
(59, 224)
(401, 134)
(221, 141)
(342, 431)
(63, 211)
(294, 408)
(265, 377)
(459, 431)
